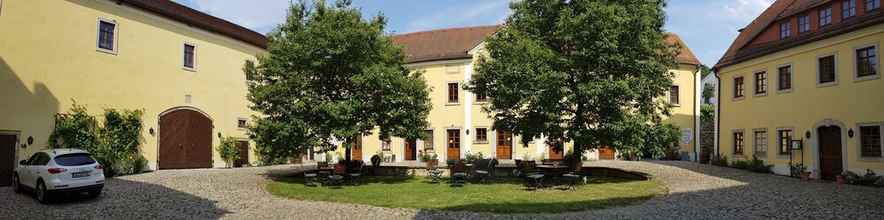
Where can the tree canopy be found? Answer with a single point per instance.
(330, 75)
(591, 72)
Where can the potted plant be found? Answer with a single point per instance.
(800, 170)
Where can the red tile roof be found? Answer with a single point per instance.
(455, 43)
(184, 14)
(741, 50)
(443, 44)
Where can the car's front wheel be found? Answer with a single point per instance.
(42, 193)
(16, 184)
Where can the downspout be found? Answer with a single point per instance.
(697, 133)
(467, 141)
(718, 103)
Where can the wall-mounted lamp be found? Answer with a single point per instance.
(468, 131)
(151, 131)
(850, 133)
(807, 134)
(30, 140)
(219, 134)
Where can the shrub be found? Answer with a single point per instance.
(227, 150)
(114, 144)
(471, 157)
(719, 160)
(754, 165)
(797, 169)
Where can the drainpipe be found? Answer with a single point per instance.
(697, 133)
(718, 103)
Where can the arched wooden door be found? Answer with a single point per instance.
(185, 140)
(830, 152)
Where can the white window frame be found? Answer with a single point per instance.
(487, 135)
(859, 141)
(184, 53)
(116, 39)
(834, 56)
(733, 152)
(459, 93)
(755, 147)
(791, 78)
(246, 123)
(755, 83)
(788, 145)
(856, 77)
(432, 142)
(386, 145)
(678, 101)
(734, 88)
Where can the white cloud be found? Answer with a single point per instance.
(744, 11)
(485, 12)
(261, 16)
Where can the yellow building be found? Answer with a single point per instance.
(458, 126)
(806, 71)
(181, 66)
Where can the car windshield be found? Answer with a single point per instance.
(77, 159)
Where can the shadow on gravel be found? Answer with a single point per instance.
(121, 199)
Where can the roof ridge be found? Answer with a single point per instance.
(446, 29)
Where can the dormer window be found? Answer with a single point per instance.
(848, 8)
(785, 30)
(825, 16)
(803, 23)
(872, 4)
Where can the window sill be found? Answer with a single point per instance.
(480, 102)
(480, 142)
(675, 105)
(761, 155)
(866, 78)
(828, 84)
(452, 104)
(738, 156)
(871, 159)
(784, 91)
(189, 69)
(111, 52)
(737, 99)
(760, 94)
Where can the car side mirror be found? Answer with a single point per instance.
(22, 162)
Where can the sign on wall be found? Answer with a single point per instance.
(686, 136)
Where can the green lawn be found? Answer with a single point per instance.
(501, 196)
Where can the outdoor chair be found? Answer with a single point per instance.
(310, 179)
(573, 177)
(533, 177)
(337, 178)
(484, 169)
(354, 171)
(434, 172)
(459, 174)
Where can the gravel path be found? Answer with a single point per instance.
(696, 192)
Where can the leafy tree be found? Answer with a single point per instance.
(591, 72)
(227, 150)
(330, 75)
(708, 92)
(705, 70)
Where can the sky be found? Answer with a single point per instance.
(707, 26)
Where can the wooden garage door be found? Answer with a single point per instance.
(185, 140)
(7, 159)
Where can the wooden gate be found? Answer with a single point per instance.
(504, 145)
(7, 159)
(243, 160)
(830, 152)
(185, 140)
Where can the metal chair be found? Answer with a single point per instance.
(337, 178)
(484, 169)
(354, 172)
(310, 179)
(459, 174)
(533, 177)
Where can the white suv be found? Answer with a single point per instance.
(59, 170)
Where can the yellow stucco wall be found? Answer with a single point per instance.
(683, 115)
(847, 104)
(49, 57)
(445, 116)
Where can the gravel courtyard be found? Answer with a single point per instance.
(696, 192)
